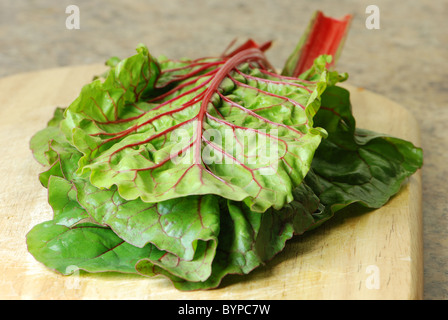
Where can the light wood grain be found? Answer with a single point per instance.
(370, 255)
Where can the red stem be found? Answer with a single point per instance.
(325, 37)
(253, 54)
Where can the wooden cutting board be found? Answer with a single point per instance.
(370, 255)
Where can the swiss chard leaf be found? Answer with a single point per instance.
(75, 240)
(226, 126)
(251, 239)
(96, 230)
(175, 226)
(196, 169)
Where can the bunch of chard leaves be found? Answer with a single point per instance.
(196, 169)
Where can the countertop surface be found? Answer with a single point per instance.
(404, 60)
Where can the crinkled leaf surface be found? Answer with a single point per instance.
(228, 126)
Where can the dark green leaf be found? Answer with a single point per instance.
(354, 165)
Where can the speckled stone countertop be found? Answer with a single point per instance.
(405, 60)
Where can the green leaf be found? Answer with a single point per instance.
(69, 243)
(87, 247)
(172, 225)
(355, 165)
(251, 239)
(40, 142)
(62, 197)
(183, 232)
